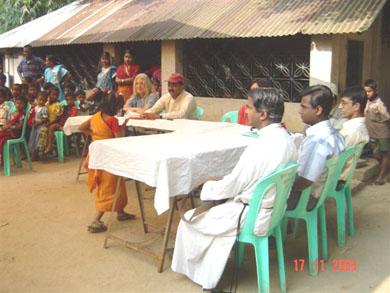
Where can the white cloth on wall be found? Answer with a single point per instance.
(202, 246)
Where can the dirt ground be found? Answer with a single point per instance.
(45, 246)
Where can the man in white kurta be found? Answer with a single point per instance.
(354, 130)
(203, 245)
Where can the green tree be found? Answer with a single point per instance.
(16, 12)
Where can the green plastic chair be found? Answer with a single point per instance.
(231, 116)
(282, 179)
(76, 103)
(345, 194)
(63, 146)
(11, 107)
(310, 217)
(12, 146)
(199, 112)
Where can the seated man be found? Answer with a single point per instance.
(322, 142)
(177, 103)
(354, 130)
(203, 244)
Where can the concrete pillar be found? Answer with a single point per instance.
(321, 54)
(171, 61)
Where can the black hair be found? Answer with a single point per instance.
(156, 80)
(17, 84)
(21, 98)
(47, 86)
(80, 93)
(3, 92)
(320, 95)
(51, 58)
(129, 51)
(269, 100)
(35, 85)
(27, 46)
(24, 86)
(370, 83)
(110, 104)
(70, 94)
(357, 95)
(28, 79)
(3, 76)
(106, 55)
(262, 82)
(43, 93)
(71, 86)
(54, 88)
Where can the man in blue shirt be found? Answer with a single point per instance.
(322, 142)
(31, 66)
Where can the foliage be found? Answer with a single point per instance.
(16, 12)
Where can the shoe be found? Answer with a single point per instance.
(97, 227)
(125, 216)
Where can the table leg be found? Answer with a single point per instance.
(82, 157)
(166, 235)
(141, 205)
(112, 211)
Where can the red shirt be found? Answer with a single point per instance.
(242, 116)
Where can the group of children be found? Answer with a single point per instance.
(46, 116)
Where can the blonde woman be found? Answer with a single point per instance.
(144, 95)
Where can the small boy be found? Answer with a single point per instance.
(47, 86)
(83, 108)
(33, 89)
(69, 110)
(69, 86)
(378, 126)
(16, 90)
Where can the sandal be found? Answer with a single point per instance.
(96, 227)
(125, 216)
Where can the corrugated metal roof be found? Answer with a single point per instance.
(147, 20)
(33, 30)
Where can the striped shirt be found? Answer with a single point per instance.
(322, 142)
(34, 68)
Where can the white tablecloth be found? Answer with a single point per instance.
(172, 162)
(72, 124)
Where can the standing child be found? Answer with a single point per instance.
(4, 109)
(70, 110)
(16, 90)
(378, 126)
(15, 124)
(41, 117)
(33, 90)
(55, 112)
(103, 125)
(83, 108)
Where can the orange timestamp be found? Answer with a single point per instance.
(339, 265)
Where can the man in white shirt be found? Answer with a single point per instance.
(322, 142)
(354, 130)
(203, 244)
(177, 103)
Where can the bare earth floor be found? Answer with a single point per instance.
(45, 246)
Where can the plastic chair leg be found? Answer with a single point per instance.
(6, 159)
(312, 239)
(340, 206)
(60, 145)
(324, 243)
(279, 250)
(262, 264)
(240, 253)
(18, 155)
(350, 211)
(295, 229)
(283, 224)
(27, 154)
(66, 144)
(76, 146)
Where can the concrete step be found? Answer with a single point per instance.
(368, 168)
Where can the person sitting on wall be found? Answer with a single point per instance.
(203, 243)
(177, 103)
(259, 82)
(322, 142)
